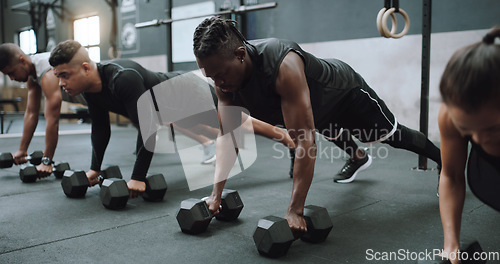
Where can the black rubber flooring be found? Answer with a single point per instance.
(389, 208)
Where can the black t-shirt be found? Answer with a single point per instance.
(123, 82)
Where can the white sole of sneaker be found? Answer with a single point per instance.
(210, 160)
(362, 168)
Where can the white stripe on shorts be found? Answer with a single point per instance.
(394, 126)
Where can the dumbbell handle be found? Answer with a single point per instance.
(27, 157)
(206, 198)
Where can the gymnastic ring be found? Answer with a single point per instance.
(407, 22)
(379, 23)
(111, 53)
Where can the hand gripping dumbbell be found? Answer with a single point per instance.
(76, 183)
(114, 192)
(156, 186)
(7, 159)
(194, 216)
(28, 173)
(468, 247)
(273, 236)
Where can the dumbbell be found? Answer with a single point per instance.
(468, 247)
(194, 216)
(273, 236)
(156, 186)
(76, 183)
(28, 173)
(114, 192)
(7, 159)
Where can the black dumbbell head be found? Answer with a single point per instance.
(36, 157)
(6, 160)
(471, 246)
(273, 236)
(74, 183)
(231, 205)
(318, 223)
(193, 216)
(114, 193)
(112, 172)
(60, 168)
(468, 246)
(425, 261)
(156, 187)
(28, 173)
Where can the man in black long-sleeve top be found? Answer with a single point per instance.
(113, 86)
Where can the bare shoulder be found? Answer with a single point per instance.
(291, 74)
(49, 82)
(446, 126)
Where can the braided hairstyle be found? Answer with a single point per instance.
(471, 78)
(216, 36)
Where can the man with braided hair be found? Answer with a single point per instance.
(281, 84)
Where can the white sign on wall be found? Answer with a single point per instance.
(182, 31)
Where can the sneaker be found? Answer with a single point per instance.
(208, 153)
(351, 169)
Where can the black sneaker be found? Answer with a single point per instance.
(351, 169)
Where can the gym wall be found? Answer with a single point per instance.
(327, 28)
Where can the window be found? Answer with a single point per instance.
(27, 41)
(86, 31)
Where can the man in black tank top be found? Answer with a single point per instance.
(281, 84)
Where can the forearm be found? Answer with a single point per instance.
(51, 136)
(226, 153)
(303, 172)
(142, 163)
(29, 126)
(272, 132)
(100, 140)
(451, 202)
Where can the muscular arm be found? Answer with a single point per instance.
(226, 151)
(272, 132)
(452, 180)
(291, 85)
(30, 119)
(53, 99)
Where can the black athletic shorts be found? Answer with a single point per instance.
(364, 114)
